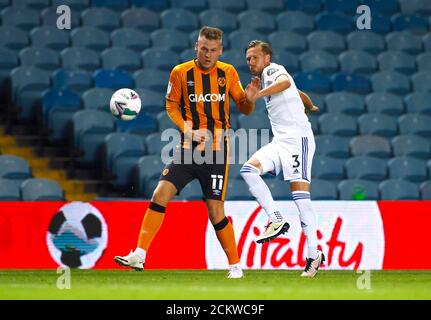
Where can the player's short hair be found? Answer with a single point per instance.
(211, 33)
(266, 47)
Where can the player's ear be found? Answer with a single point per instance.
(196, 46)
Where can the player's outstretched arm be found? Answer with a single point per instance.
(308, 104)
(281, 83)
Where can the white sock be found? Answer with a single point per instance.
(141, 253)
(308, 220)
(260, 191)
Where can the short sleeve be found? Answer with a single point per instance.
(174, 90)
(273, 72)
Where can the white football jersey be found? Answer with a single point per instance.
(285, 109)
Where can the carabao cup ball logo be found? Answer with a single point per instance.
(77, 235)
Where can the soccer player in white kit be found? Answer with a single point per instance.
(290, 151)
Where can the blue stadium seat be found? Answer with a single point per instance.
(23, 18)
(114, 79)
(58, 107)
(130, 38)
(89, 130)
(121, 58)
(269, 6)
(236, 58)
(27, 84)
(312, 81)
(326, 40)
(418, 102)
(318, 61)
(295, 21)
(357, 189)
(179, 19)
(397, 61)
(395, 189)
(49, 37)
(387, 7)
(366, 168)
(327, 168)
(152, 142)
(122, 152)
(239, 39)
(308, 6)
(287, 59)
(345, 102)
(117, 5)
(90, 37)
(421, 81)
(97, 98)
(159, 58)
(417, 124)
(256, 20)
(411, 146)
(367, 41)
(13, 38)
(38, 189)
(187, 55)
(228, 5)
(151, 101)
(427, 42)
(72, 79)
(390, 81)
(49, 16)
(406, 168)
(358, 62)
(368, 145)
(192, 191)
(14, 168)
(151, 79)
(380, 23)
(350, 82)
(323, 190)
(8, 61)
(80, 58)
(142, 125)
(384, 102)
(253, 121)
(195, 6)
(78, 5)
(425, 190)
(377, 124)
(332, 146)
(164, 122)
(43, 58)
(318, 100)
(102, 18)
(314, 121)
(155, 5)
(404, 41)
(334, 22)
(237, 189)
(410, 22)
(9, 190)
(421, 7)
(148, 168)
(280, 190)
(140, 19)
(423, 61)
(346, 7)
(338, 124)
(218, 18)
(31, 4)
(286, 40)
(170, 39)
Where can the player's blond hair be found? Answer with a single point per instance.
(211, 33)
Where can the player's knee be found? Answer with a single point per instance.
(248, 168)
(160, 197)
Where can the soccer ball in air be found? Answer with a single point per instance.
(77, 235)
(125, 104)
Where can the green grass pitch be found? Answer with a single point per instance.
(212, 284)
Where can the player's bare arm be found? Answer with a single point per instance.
(308, 104)
(280, 84)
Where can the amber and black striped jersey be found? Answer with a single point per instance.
(198, 99)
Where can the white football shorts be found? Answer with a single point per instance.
(292, 155)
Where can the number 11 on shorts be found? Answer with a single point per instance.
(216, 177)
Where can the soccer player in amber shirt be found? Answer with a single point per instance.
(197, 101)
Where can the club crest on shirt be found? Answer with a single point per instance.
(271, 71)
(221, 81)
